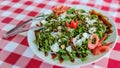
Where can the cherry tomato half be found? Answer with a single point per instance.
(73, 24)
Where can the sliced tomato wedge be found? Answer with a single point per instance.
(93, 45)
(100, 49)
(104, 48)
(96, 51)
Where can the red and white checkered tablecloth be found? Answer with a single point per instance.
(15, 51)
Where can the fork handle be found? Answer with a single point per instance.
(19, 26)
(20, 31)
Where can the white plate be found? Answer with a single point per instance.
(78, 62)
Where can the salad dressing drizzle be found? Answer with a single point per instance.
(104, 19)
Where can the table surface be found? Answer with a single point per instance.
(15, 51)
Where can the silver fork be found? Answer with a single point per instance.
(16, 30)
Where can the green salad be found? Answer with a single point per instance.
(71, 33)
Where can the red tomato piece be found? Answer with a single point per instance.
(73, 24)
(77, 22)
(54, 9)
(67, 24)
(66, 8)
(100, 49)
(104, 48)
(96, 51)
(59, 10)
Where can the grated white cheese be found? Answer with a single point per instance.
(70, 30)
(90, 21)
(59, 27)
(55, 47)
(75, 39)
(69, 49)
(63, 15)
(71, 15)
(43, 21)
(59, 40)
(92, 30)
(85, 35)
(85, 14)
(79, 42)
(87, 25)
(53, 20)
(83, 39)
(55, 34)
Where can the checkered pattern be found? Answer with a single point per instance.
(15, 52)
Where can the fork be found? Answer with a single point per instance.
(16, 30)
